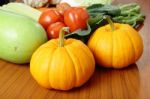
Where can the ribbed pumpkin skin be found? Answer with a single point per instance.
(62, 68)
(116, 49)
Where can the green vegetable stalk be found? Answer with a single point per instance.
(130, 14)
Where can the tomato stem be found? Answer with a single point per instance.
(62, 36)
(110, 22)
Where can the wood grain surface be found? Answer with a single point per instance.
(129, 83)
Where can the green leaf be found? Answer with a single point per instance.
(104, 9)
(95, 21)
(95, 6)
(90, 2)
(81, 34)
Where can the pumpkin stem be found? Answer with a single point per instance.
(110, 22)
(62, 36)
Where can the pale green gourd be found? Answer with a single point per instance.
(20, 36)
(23, 9)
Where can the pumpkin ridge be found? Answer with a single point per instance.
(38, 53)
(73, 65)
(49, 69)
(112, 49)
(78, 65)
(51, 54)
(96, 42)
(133, 40)
(91, 40)
(132, 45)
(89, 57)
(93, 61)
(87, 53)
(124, 55)
(115, 42)
(121, 45)
(49, 65)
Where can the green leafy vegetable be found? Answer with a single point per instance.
(95, 21)
(80, 34)
(130, 14)
(104, 9)
(127, 13)
(90, 2)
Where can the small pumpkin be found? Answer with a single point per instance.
(62, 67)
(116, 45)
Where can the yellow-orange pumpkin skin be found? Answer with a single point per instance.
(118, 48)
(62, 68)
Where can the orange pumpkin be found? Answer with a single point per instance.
(62, 67)
(116, 46)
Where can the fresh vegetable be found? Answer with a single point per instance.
(62, 64)
(35, 3)
(62, 7)
(127, 13)
(90, 2)
(86, 2)
(20, 8)
(116, 45)
(20, 36)
(76, 18)
(49, 17)
(53, 29)
(130, 14)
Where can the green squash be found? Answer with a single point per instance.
(20, 36)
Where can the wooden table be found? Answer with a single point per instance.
(129, 83)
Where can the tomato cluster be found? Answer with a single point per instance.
(53, 20)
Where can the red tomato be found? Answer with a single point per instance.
(76, 18)
(54, 29)
(50, 16)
